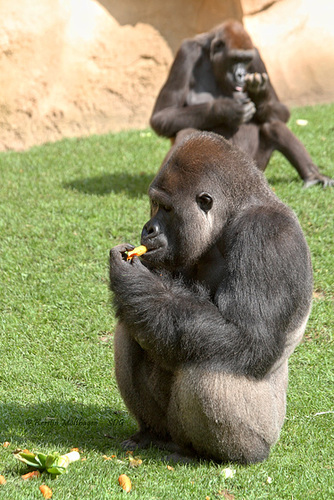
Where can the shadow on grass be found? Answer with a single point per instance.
(133, 184)
(65, 424)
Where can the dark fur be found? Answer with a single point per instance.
(210, 315)
(200, 93)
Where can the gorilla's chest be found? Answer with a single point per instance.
(203, 86)
(209, 273)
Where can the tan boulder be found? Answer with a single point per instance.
(77, 67)
(296, 40)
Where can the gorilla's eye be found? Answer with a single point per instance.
(204, 201)
(218, 46)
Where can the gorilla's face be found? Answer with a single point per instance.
(231, 53)
(189, 204)
(181, 229)
(230, 67)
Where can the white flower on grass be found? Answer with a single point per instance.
(269, 480)
(227, 473)
(301, 123)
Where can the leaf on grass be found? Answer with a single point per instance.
(108, 458)
(6, 444)
(2, 479)
(36, 460)
(31, 475)
(319, 294)
(135, 462)
(226, 494)
(19, 450)
(106, 338)
(125, 482)
(169, 467)
(46, 491)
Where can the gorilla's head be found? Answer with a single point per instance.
(203, 184)
(231, 52)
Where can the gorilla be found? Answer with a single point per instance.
(218, 82)
(208, 317)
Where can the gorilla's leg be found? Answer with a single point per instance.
(278, 135)
(224, 417)
(247, 138)
(145, 389)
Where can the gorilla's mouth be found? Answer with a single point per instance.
(152, 253)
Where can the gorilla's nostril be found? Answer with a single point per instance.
(151, 229)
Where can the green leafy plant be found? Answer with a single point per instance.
(53, 463)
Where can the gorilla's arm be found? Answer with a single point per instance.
(171, 112)
(272, 115)
(177, 325)
(243, 331)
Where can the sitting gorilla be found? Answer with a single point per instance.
(218, 82)
(210, 314)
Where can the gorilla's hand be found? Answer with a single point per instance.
(121, 269)
(234, 111)
(133, 286)
(247, 106)
(256, 83)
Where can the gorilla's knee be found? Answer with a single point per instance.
(271, 130)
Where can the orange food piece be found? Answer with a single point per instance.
(2, 479)
(6, 444)
(125, 483)
(46, 491)
(30, 475)
(136, 252)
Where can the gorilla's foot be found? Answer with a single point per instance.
(320, 179)
(181, 457)
(145, 439)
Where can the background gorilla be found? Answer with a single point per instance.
(209, 317)
(218, 82)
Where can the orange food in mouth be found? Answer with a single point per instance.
(136, 252)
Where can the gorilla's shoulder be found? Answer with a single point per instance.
(261, 224)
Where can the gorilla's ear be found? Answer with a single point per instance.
(204, 201)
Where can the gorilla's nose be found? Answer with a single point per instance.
(151, 230)
(239, 73)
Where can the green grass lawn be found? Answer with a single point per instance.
(62, 207)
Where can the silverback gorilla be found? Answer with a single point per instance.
(218, 82)
(210, 314)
